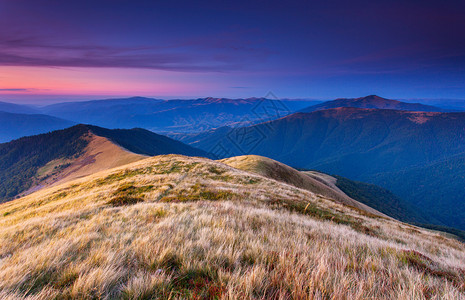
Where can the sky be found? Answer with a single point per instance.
(53, 51)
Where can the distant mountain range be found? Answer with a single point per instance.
(34, 162)
(171, 117)
(395, 149)
(174, 115)
(344, 138)
(16, 125)
(446, 104)
(163, 116)
(372, 101)
(17, 109)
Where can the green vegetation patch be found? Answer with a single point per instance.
(52, 168)
(186, 282)
(198, 283)
(128, 194)
(171, 262)
(216, 170)
(313, 210)
(123, 200)
(156, 169)
(59, 195)
(112, 178)
(130, 189)
(198, 192)
(426, 265)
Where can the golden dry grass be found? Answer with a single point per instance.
(100, 154)
(273, 169)
(175, 227)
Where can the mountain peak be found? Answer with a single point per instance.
(374, 102)
(375, 97)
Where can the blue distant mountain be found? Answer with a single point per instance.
(175, 115)
(17, 109)
(15, 125)
(417, 155)
(372, 101)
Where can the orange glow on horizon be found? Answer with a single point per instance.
(97, 81)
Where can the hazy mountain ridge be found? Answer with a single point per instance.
(174, 115)
(373, 101)
(17, 108)
(15, 125)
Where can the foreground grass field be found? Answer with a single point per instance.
(175, 227)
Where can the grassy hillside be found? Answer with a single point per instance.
(275, 170)
(456, 233)
(366, 196)
(33, 161)
(178, 227)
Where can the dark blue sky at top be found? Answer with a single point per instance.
(315, 49)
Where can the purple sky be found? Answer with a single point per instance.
(57, 50)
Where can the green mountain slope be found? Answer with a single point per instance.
(438, 188)
(21, 160)
(381, 199)
(379, 146)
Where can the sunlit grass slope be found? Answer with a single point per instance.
(176, 227)
(273, 169)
